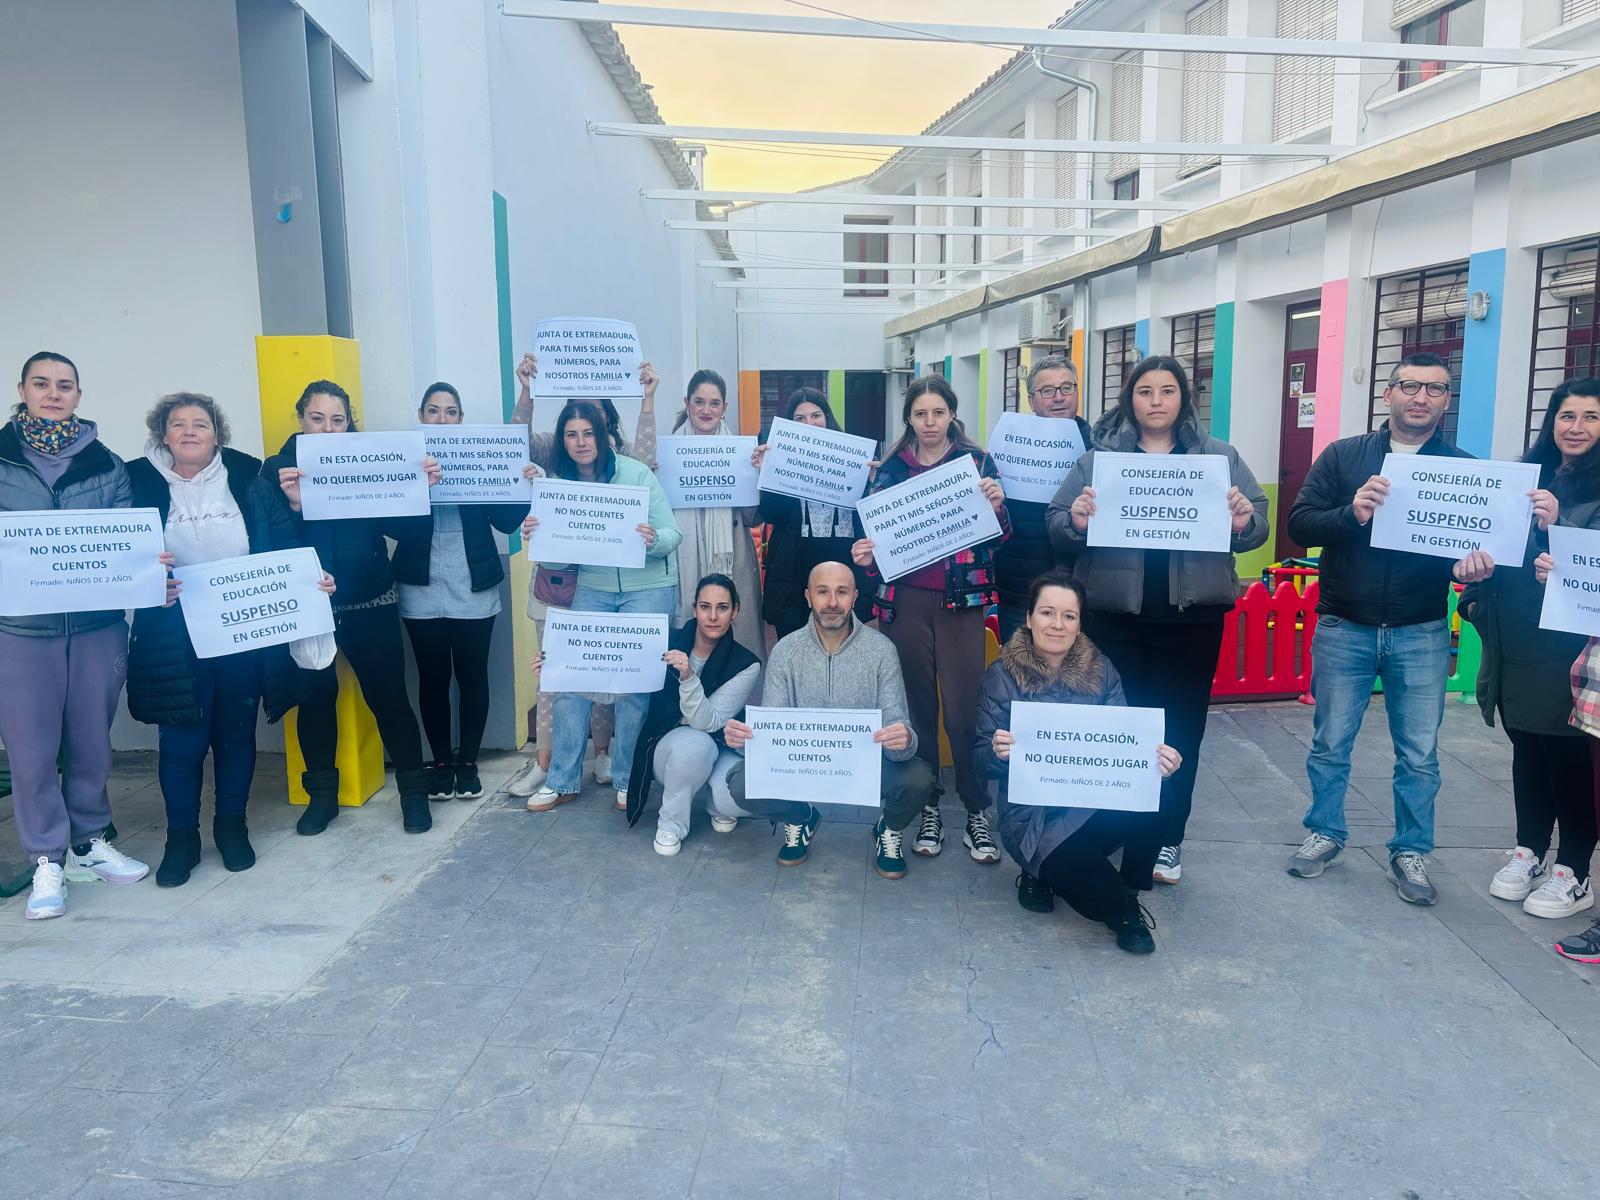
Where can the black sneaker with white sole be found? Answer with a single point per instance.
(930, 832)
(1035, 894)
(978, 840)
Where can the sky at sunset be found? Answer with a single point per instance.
(771, 81)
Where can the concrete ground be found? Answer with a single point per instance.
(521, 1005)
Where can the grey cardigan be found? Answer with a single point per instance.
(1114, 578)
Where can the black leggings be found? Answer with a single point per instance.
(1167, 666)
(1552, 783)
(444, 646)
(1080, 872)
(369, 639)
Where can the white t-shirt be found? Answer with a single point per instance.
(1402, 448)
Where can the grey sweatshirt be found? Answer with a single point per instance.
(863, 673)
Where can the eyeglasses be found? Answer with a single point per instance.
(1050, 393)
(1410, 387)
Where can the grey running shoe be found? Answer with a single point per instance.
(1316, 854)
(1408, 874)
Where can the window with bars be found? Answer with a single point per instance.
(1203, 75)
(1067, 164)
(1119, 356)
(1302, 88)
(1435, 23)
(778, 386)
(936, 367)
(1566, 323)
(1194, 344)
(1420, 312)
(868, 244)
(1127, 90)
(1577, 10)
(1011, 400)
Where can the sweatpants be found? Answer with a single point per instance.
(443, 647)
(1553, 784)
(941, 657)
(369, 639)
(1080, 871)
(1167, 666)
(904, 788)
(685, 761)
(228, 690)
(58, 697)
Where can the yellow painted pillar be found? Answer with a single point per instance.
(284, 365)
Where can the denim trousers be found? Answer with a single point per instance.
(1413, 661)
(569, 712)
(228, 690)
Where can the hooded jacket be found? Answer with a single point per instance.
(1114, 576)
(94, 477)
(1031, 832)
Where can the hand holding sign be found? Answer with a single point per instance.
(1087, 756)
(1449, 507)
(1160, 501)
(803, 753)
(928, 517)
(1571, 575)
(1034, 454)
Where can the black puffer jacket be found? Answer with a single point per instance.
(353, 551)
(1358, 583)
(413, 551)
(160, 656)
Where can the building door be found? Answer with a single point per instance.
(865, 408)
(1304, 324)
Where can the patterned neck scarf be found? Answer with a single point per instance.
(45, 435)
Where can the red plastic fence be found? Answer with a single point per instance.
(1266, 644)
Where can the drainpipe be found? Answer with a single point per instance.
(1088, 85)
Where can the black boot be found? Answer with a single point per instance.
(1133, 929)
(182, 856)
(232, 837)
(1034, 894)
(323, 788)
(413, 787)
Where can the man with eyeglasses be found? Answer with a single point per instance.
(1381, 614)
(1027, 553)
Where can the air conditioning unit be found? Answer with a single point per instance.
(897, 353)
(1572, 283)
(1441, 302)
(1038, 319)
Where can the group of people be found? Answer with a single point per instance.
(1079, 624)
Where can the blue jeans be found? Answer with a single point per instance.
(1413, 662)
(569, 711)
(227, 690)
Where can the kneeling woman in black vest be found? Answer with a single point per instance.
(709, 678)
(1049, 661)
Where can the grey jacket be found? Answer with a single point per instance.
(862, 673)
(95, 478)
(1030, 832)
(1525, 671)
(1114, 578)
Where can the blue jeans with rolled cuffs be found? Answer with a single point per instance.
(569, 711)
(1413, 661)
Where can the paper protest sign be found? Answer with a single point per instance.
(80, 560)
(254, 600)
(1572, 595)
(603, 652)
(929, 517)
(814, 463)
(586, 357)
(1034, 454)
(1449, 507)
(589, 524)
(1161, 502)
(479, 464)
(814, 754)
(349, 475)
(1085, 756)
(707, 472)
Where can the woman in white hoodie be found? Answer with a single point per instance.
(200, 704)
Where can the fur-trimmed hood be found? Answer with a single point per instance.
(1080, 671)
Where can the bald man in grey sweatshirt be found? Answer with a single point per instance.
(834, 661)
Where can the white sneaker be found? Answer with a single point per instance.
(622, 800)
(724, 824)
(547, 798)
(667, 843)
(104, 861)
(602, 768)
(1561, 896)
(528, 780)
(49, 895)
(1519, 876)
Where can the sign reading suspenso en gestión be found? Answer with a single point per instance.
(707, 472)
(253, 600)
(80, 560)
(1161, 502)
(1449, 507)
